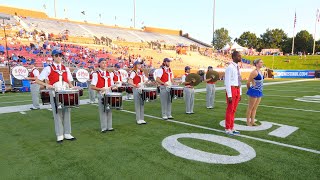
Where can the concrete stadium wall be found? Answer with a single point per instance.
(22, 12)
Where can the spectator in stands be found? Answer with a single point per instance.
(2, 49)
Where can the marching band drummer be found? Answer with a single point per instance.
(92, 93)
(211, 90)
(102, 82)
(188, 91)
(137, 79)
(164, 77)
(34, 87)
(58, 75)
(117, 77)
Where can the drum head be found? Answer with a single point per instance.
(114, 94)
(20, 72)
(82, 75)
(149, 89)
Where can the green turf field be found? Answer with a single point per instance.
(281, 62)
(29, 151)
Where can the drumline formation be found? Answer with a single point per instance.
(108, 87)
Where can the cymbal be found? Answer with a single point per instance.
(194, 79)
(213, 75)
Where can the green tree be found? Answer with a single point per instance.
(287, 46)
(317, 49)
(220, 38)
(247, 39)
(273, 38)
(303, 42)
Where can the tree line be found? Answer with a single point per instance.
(271, 39)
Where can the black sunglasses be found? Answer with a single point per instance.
(58, 55)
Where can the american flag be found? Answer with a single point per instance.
(295, 20)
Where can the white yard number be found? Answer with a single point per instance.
(283, 131)
(246, 152)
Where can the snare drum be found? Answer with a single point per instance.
(120, 89)
(45, 97)
(149, 94)
(177, 92)
(68, 98)
(129, 89)
(112, 100)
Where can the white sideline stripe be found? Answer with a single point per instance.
(15, 102)
(276, 107)
(22, 112)
(280, 96)
(12, 109)
(221, 131)
(265, 84)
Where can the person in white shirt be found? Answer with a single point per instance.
(92, 93)
(164, 78)
(188, 92)
(34, 87)
(232, 83)
(102, 82)
(57, 75)
(137, 79)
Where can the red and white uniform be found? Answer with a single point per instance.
(183, 79)
(117, 77)
(56, 72)
(233, 90)
(102, 79)
(165, 74)
(34, 73)
(138, 77)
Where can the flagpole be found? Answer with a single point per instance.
(294, 28)
(55, 10)
(134, 13)
(213, 17)
(315, 31)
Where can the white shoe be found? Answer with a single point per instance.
(139, 122)
(143, 122)
(229, 132)
(59, 138)
(164, 117)
(69, 137)
(170, 117)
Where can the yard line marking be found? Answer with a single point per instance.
(276, 107)
(265, 84)
(280, 96)
(279, 90)
(241, 135)
(22, 112)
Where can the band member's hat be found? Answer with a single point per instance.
(166, 60)
(137, 62)
(56, 51)
(101, 59)
(187, 68)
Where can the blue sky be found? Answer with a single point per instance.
(193, 17)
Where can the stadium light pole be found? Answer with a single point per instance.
(213, 17)
(134, 13)
(5, 38)
(55, 10)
